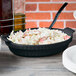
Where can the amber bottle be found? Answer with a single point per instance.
(19, 21)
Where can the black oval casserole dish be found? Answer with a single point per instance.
(39, 50)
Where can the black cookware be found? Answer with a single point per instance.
(41, 50)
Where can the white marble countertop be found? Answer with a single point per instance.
(12, 65)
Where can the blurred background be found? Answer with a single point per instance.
(40, 13)
(37, 13)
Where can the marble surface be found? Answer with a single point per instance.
(12, 65)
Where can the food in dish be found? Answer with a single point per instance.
(39, 36)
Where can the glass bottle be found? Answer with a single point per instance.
(19, 15)
(6, 16)
(19, 21)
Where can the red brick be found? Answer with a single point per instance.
(44, 24)
(37, 16)
(64, 16)
(47, 7)
(71, 24)
(56, 25)
(19, 6)
(31, 25)
(31, 7)
(71, 6)
(64, 0)
(37, 0)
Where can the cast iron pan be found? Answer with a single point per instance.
(40, 50)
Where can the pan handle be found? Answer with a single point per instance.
(68, 31)
(4, 38)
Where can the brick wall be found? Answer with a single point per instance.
(40, 13)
